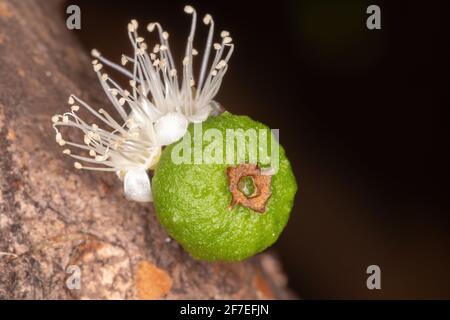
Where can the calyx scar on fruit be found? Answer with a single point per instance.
(223, 211)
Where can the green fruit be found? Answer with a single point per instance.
(192, 201)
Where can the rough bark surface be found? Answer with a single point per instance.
(53, 217)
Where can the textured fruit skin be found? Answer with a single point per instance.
(192, 203)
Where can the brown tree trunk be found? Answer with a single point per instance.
(53, 217)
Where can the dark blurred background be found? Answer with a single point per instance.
(362, 114)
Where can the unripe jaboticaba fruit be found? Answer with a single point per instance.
(228, 210)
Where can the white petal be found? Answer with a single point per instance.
(268, 172)
(137, 185)
(152, 112)
(200, 115)
(170, 128)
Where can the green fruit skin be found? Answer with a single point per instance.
(192, 203)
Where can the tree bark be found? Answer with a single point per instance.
(53, 217)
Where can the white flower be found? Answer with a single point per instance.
(154, 112)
